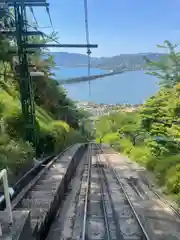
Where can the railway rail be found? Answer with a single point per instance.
(104, 209)
(114, 184)
(87, 193)
(100, 220)
(158, 195)
(109, 214)
(92, 218)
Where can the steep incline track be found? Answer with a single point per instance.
(107, 200)
(128, 224)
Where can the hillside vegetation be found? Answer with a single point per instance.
(57, 118)
(116, 63)
(151, 135)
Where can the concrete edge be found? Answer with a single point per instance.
(42, 232)
(22, 194)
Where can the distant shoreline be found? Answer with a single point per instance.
(110, 72)
(82, 66)
(87, 78)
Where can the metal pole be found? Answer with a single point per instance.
(27, 100)
(6, 193)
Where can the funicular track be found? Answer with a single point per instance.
(127, 222)
(92, 220)
(85, 214)
(104, 210)
(101, 206)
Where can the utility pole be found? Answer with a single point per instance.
(21, 34)
(25, 80)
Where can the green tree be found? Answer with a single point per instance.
(168, 67)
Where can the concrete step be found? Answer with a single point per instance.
(48, 182)
(43, 199)
(35, 203)
(52, 177)
(46, 187)
(37, 215)
(47, 194)
(20, 229)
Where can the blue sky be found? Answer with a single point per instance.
(117, 26)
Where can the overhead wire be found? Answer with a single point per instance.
(37, 29)
(35, 19)
(56, 41)
(87, 40)
(49, 16)
(50, 19)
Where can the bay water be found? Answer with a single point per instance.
(132, 87)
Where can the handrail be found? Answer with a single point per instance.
(3, 175)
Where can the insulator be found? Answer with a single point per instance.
(89, 52)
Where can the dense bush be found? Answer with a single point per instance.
(140, 154)
(163, 165)
(173, 179)
(111, 138)
(15, 156)
(151, 163)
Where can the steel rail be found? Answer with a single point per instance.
(137, 191)
(88, 182)
(174, 209)
(127, 198)
(159, 195)
(105, 215)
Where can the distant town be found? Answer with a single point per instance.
(97, 110)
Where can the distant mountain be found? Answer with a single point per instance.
(123, 61)
(71, 59)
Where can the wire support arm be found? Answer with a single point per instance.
(61, 45)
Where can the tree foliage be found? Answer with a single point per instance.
(152, 135)
(169, 66)
(57, 117)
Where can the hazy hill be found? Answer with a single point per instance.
(71, 59)
(123, 61)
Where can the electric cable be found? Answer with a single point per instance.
(50, 19)
(87, 40)
(35, 19)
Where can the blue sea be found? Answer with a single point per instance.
(129, 87)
